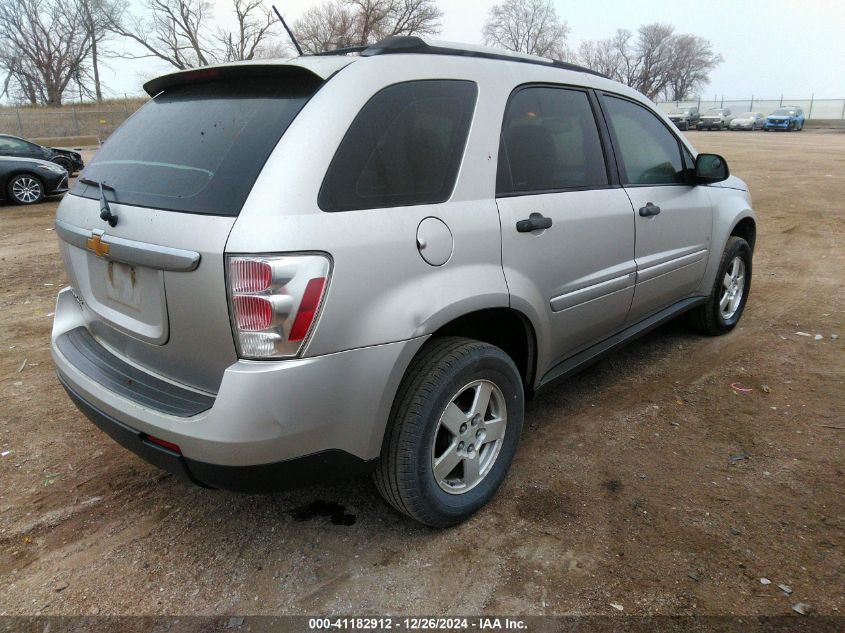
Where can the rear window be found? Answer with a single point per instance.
(198, 148)
(404, 148)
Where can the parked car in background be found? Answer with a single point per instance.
(715, 119)
(27, 181)
(455, 232)
(21, 148)
(685, 118)
(748, 121)
(788, 118)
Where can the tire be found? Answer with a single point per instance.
(64, 162)
(448, 374)
(712, 318)
(791, 126)
(25, 189)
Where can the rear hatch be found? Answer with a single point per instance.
(176, 174)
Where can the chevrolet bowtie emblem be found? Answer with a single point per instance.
(96, 245)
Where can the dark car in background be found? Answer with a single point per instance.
(28, 181)
(684, 118)
(788, 118)
(20, 148)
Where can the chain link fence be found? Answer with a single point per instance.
(100, 120)
(41, 122)
(814, 109)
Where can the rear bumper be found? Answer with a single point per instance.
(327, 409)
(318, 467)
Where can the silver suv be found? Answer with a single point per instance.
(287, 271)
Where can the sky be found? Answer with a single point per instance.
(770, 47)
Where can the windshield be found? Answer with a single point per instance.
(746, 115)
(676, 111)
(198, 148)
(715, 111)
(783, 112)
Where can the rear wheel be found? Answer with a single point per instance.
(453, 431)
(26, 189)
(64, 162)
(724, 306)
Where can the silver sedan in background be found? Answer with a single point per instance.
(748, 121)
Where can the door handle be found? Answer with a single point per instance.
(535, 222)
(649, 210)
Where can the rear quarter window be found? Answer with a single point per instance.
(404, 148)
(198, 148)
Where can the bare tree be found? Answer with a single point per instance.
(253, 25)
(527, 26)
(181, 33)
(97, 15)
(654, 55)
(44, 45)
(344, 23)
(654, 61)
(326, 27)
(174, 31)
(694, 59)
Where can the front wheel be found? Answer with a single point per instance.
(453, 431)
(726, 302)
(26, 189)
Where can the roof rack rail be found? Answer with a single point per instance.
(348, 50)
(407, 44)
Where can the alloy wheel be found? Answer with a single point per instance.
(26, 190)
(469, 437)
(733, 287)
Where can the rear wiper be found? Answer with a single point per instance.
(105, 210)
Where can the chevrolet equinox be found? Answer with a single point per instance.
(364, 262)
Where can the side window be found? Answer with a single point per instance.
(404, 147)
(650, 153)
(550, 141)
(13, 144)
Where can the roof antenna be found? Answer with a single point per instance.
(287, 28)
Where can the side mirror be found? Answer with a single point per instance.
(710, 168)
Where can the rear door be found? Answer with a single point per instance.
(673, 218)
(577, 274)
(176, 175)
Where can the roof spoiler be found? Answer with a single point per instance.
(228, 71)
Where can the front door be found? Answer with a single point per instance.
(567, 232)
(673, 218)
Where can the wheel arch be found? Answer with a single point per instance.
(22, 171)
(507, 329)
(746, 228)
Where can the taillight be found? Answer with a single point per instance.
(274, 302)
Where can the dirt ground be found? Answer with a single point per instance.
(647, 481)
